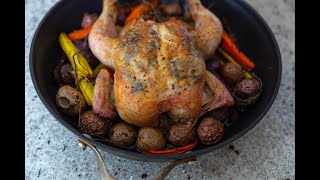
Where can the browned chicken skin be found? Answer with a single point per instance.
(159, 67)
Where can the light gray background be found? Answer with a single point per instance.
(266, 152)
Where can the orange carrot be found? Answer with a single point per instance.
(178, 150)
(230, 47)
(80, 34)
(137, 12)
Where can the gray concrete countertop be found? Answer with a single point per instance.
(265, 152)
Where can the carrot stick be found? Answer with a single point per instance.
(230, 47)
(137, 12)
(178, 150)
(80, 34)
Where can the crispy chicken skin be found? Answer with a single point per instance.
(159, 67)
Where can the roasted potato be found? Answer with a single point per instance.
(150, 139)
(70, 101)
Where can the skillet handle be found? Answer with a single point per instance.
(103, 170)
(106, 176)
(165, 171)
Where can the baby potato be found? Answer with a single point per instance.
(122, 134)
(210, 131)
(150, 139)
(94, 125)
(70, 101)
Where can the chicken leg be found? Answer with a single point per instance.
(208, 28)
(103, 39)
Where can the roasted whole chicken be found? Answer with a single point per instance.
(159, 67)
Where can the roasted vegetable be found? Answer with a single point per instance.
(181, 134)
(248, 87)
(210, 131)
(214, 63)
(86, 88)
(231, 72)
(178, 150)
(80, 33)
(81, 66)
(248, 91)
(88, 19)
(70, 101)
(230, 47)
(230, 59)
(94, 125)
(75, 57)
(122, 135)
(56, 70)
(98, 69)
(83, 47)
(66, 74)
(150, 139)
(139, 10)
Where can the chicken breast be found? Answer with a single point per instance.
(158, 69)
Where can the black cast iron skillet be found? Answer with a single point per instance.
(253, 35)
